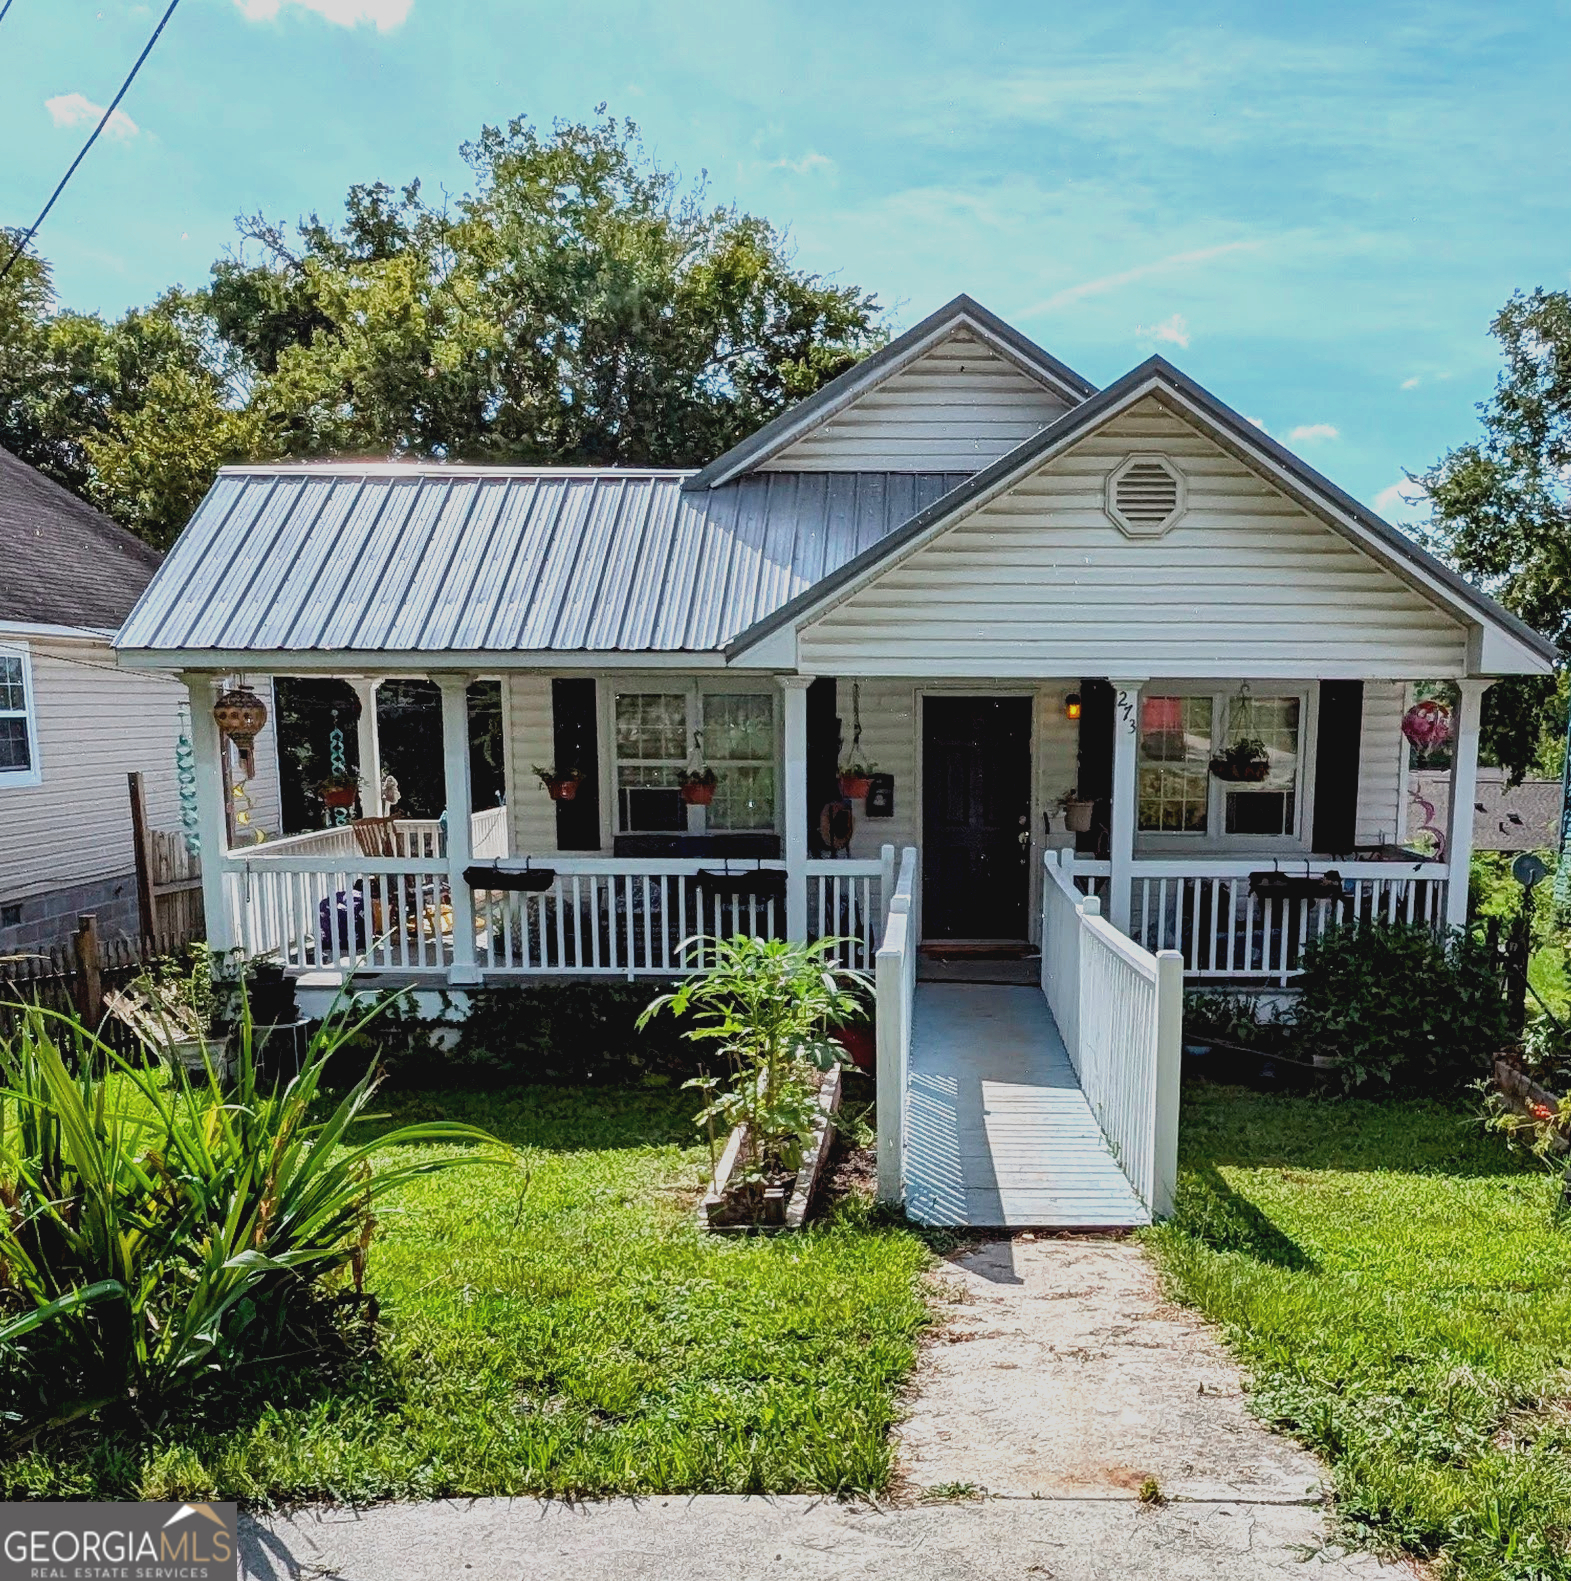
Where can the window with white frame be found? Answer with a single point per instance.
(18, 735)
(1181, 735)
(661, 735)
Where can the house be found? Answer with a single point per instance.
(1022, 602)
(1506, 817)
(73, 722)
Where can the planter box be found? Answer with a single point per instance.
(1520, 1091)
(782, 1209)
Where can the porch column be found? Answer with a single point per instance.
(794, 803)
(459, 803)
(207, 750)
(370, 747)
(1121, 833)
(1464, 792)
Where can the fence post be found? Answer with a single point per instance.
(1169, 1058)
(140, 839)
(89, 970)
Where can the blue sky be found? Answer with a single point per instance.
(1314, 210)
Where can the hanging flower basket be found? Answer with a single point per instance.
(856, 780)
(698, 787)
(560, 784)
(340, 790)
(1077, 814)
(1246, 762)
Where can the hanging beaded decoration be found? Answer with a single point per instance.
(185, 780)
(337, 764)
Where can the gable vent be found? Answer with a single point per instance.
(1145, 496)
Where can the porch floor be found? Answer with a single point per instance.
(998, 1133)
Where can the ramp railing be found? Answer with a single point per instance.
(895, 983)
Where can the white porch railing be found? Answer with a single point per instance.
(895, 985)
(1208, 911)
(1119, 1010)
(488, 834)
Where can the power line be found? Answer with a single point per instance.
(4, 8)
(114, 105)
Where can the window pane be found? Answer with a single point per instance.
(1175, 759)
(744, 797)
(1274, 722)
(739, 725)
(13, 698)
(13, 745)
(652, 725)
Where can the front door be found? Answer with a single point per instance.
(976, 817)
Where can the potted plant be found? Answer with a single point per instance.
(1246, 762)
(856, 779)
(560, 784)
(1077, 812)
(698, 787)
(340, 788)
(178, 1012)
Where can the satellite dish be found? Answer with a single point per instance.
(1528, 869)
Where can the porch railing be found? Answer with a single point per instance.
(1213, 916)
(895, 985)
(1119, 1010)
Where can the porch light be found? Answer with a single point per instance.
(1072, 706)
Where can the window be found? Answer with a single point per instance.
(18, 738)
(661, 735)
(1177, 792)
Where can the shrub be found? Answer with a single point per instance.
(1398, 1006)
(155, 1232)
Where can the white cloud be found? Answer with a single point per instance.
(1174, 329)
(1314, 431)
(384, 15)
(808, 162)
(1403, 501)
(76, 109)
(1260, 424)
(1413, 383)
(1111, 282)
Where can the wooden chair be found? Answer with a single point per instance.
(376, 836)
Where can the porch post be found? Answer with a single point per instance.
(207, 751)
(459, 803)
(794, 804)
(370, 747)
(1121, 834)
(1464, 792)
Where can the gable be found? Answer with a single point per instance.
(956, 408)
(1040, 581)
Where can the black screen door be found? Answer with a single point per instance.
(976, 816)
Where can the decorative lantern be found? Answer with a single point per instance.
(1072, 706)
(1427, 725)
(241, 714)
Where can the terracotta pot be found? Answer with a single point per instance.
(562, 790)
(696, 795)
(1240, 773)
(1077, 816)
(340, 795)
(854, 787)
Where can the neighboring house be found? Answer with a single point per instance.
(73, 723)
(1011, 585)
(1506, 817)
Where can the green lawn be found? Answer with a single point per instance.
(585, 1340)
(1391, 1276)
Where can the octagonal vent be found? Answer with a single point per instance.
(1145, 496)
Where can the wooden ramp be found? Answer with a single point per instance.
(998, 1133)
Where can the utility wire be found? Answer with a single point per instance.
(4, 8)
(114, 105)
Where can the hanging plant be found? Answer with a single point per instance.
(340, 788)
(698, 787)
(1246, 762)
(1078, 811)
(560, 784)
(1427, 725)
(856, 779)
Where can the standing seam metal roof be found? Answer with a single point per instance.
(415, 559)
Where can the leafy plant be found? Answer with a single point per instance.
(339, 780)
(1399, 1006)
(155, 1231)
(705, 777)
(554, 776)
(858, 768)
(1234, 1018)
(770, 1006)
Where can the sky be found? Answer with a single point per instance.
(1314, 210)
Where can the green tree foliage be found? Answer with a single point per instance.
(579, 305)
(1502, 509)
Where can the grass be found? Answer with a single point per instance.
(1394, 1281)
(579, 1338)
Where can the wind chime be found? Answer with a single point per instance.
(185, 781)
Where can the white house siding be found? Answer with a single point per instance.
(530, 741)
(1381, 756)
(1041, 582)
(954, 409)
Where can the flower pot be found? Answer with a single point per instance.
(1077, 816)
(196, 1054)
(562, 790)
(1241, 773)
(340, 795)
(854, 787)
(860, 1043)
(696, 794)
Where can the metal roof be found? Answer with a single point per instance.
(433, 558)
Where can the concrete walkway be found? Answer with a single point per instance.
(998, 1133)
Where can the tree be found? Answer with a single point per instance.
(1501, 512)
